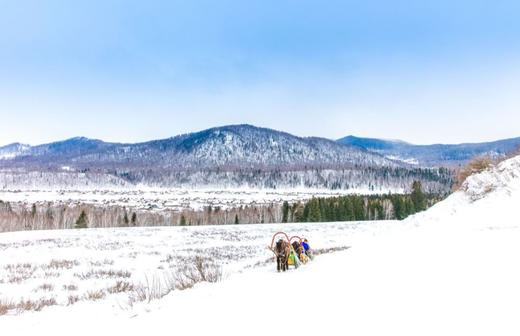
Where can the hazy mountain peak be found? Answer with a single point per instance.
(13, 150)
(432, 155)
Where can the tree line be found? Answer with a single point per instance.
(49, 215)
(360, 207)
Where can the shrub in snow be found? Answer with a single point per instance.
(30, 305)
(200, 269)
(5, 307)
(499, 177)
(120, 287)
(95, 295)
(475, 166)
(153, 288)
(73, 299)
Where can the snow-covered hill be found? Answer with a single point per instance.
(236, 146)
(224, 157)
(487, 199)
(451, 270)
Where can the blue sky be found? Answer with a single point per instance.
(128, 71)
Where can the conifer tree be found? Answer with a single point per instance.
(418, 197)
(398, 207)
(182, 221)
(82, 222)
(314, 211)
(125, 219)
(285, 212)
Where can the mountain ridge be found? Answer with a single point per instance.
(229, 156)
(394, 150)
(233, 145)
(448, 155)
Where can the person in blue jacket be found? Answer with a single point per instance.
(307, 248)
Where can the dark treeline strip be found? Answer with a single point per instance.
(359, 208)
(356, 208)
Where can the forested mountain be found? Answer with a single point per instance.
(229, 156)
(432, 155)
(237, 146)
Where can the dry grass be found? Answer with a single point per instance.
(95, 295)
(52, 274)
(19, 272)
(70, 287)
(103, 274)
(17, 267)
(103, 262)
(262, 263)
(477, 165)
(330, 250)
(200, 270)
(72, 299)
(62, 264)
(45, 287)
(183, 282)
(169, 258)
(195, 270)
(121, 287)
(153, 288)
(5, 307)
(31, 305)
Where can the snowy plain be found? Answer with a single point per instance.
(451, 270)
(146, 198)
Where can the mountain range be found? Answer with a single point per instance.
(245, 146)
(447, 155)
(239, 155)
(228, 147)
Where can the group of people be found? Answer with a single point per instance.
(302, 251)
(294, 254)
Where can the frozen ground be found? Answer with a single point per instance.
(452, 270)
(159, 199)
(58, 265)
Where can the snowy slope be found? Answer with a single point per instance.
(453, 273)
(487, 199)
(452, 270)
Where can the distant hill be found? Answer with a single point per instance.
(432, 155)
(237, 146)
(13, 150)
(236, 155)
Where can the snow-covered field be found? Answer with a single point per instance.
(452, 270)
(59, 264)
(146, 198)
